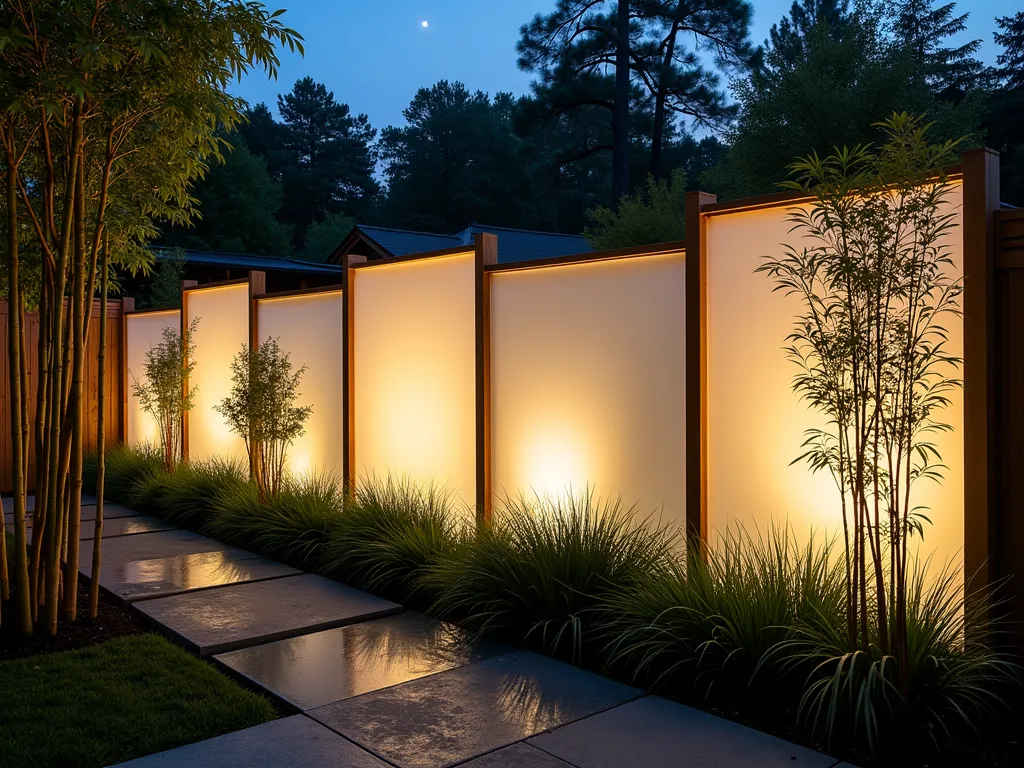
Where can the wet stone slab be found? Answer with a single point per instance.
(466, 712)
(519, 755)
(110, 510)
(658, 733)
(148, 565)
(125, 526)
(323, 667)
(242, 615)
(291, 742)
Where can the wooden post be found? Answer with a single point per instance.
(486, 253)
(127, 307)
(980, 201)
(347, 374)
(696, 368)
(257, 287)
(183, 320)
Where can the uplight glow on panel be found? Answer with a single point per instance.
(309, 328)
(222, 331)
(588, 382)
(144, 330)
(414, 370)
(756, 422)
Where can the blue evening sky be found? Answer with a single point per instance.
(375, 54)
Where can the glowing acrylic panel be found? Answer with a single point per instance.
(414, 380)
(756, 423)
(588, 382)
(309, 329)
(143, 332)
(223, 328)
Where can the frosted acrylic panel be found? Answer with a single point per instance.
(756, 422)
(223, 328)
(309, 329)
(143, 332)
(415, 372)
(588, 381)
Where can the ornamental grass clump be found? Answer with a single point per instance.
(956, 677)
(126, 465)
(294, 527)
(704, 625)
(392, 534)
(191, 494)
(540, 573)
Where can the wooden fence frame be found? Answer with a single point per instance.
(979, 173)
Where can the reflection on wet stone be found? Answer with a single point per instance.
(323, 667)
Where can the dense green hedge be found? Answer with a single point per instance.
(757, 628)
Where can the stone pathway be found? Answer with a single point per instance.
(376, 687)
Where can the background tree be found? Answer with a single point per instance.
(658, 215)
(828, 74)
(455, 161)
(326, 235)
(1006, 108)
(237, 203)
(329, 158)
(164, 286)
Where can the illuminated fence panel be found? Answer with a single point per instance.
(144, 330)
(587, 381)
(309, 328)
(755, 421)
(414, 353)
(223, 328)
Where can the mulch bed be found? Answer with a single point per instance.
(115, 620)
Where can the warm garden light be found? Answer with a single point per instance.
(223, 314)
(414, 359)
(309, 328)
(144, 330)
(754, 413)
(588, 381)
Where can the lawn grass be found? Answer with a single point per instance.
(111, 702)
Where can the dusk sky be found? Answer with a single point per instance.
(375, 54)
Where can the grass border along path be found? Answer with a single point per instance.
(121, 699)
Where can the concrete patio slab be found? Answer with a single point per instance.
(242, 615)
(110, 511)
(149, 565)
(519, 755)
(658, 733)
(291, 742)
(323, 667)
(466, 712)
(88, 509)
(125, 526)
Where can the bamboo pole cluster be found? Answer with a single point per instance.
(108, 112)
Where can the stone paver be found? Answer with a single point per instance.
(242, 615)
(319, 668)
(125, 526)
(292, 742)
(657, 733)
(88, 509)
(452, 716)
(519, 755)
(149, 565)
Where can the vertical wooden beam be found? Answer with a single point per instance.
(127, 307)
(696, 368)
(981, 200)
(348, 467)
(257, 287)
(486, 252)
(183, 320)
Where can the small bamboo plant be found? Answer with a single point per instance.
(877, 285)
(261, 409)
(161, 392)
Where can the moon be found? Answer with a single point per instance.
(424, 24)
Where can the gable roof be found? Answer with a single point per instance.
(513, 244)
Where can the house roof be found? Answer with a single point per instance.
(513, 244)
(245, 261)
